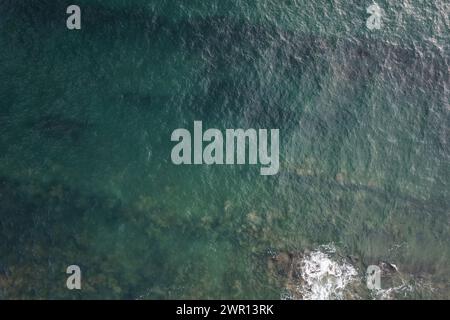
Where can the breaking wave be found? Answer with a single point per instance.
(323, 276)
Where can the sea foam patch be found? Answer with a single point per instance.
(323, 277)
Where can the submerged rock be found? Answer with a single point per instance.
(57, 127)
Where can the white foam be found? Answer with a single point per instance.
(391, 293)
(323, 276)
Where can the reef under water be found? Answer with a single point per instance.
(86, 176)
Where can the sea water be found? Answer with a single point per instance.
(86, 176)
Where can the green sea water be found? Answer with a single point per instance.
(86, 176)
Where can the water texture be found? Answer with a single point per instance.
(86, 176)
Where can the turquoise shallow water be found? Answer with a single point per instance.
(86, 175)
